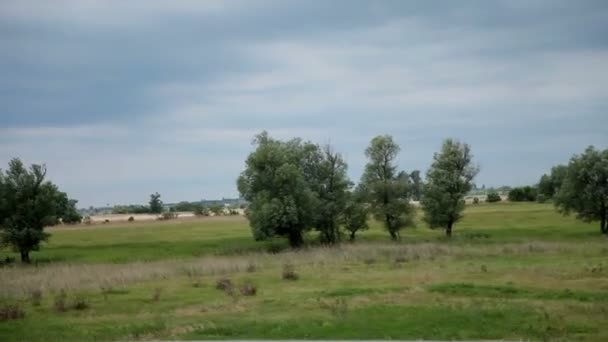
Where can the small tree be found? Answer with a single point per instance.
(386, 192)
(156, 205)
(331, 185)
(217, 210)
(70, 213)
(448, 181)
(522, 194)
(355, 213)
(28, 203)
(584, 190)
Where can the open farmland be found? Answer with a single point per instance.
(512, 271)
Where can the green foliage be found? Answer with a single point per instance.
(355, 214)
(70, 213)
(131, 209)
(28, 203)
(201, 211)
(550, 184)
(285, 184)
(493, 197)
(156, 205)
(217, 210)
(523, 194)
(584, 190)
(448, 180)
(475, 200)
(386, 192)
(330, 184)
(416, 185)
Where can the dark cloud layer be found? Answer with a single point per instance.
(101, 91)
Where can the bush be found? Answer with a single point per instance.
(289, 272)
(156, 295)
(10, 312)
(201, 211)
(87, 220)
(131, 219)
(493, 197)
(475, 200)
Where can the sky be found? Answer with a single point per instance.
(124, 98)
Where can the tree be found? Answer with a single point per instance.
(28, 204)
(584, 190)
(331, 184)
(416, 185)
(277, 184)
(354, 215)
(448, 181)
(217, 209)
(386, 192)
(549, 184)
(156, 205)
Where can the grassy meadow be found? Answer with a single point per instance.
(511, 271)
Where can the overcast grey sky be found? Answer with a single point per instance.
(124, 98)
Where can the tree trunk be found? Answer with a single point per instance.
(352, 236)
(448, 231)
(604, 227)
(25, 257)
(295, 239)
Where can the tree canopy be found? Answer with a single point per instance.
(584, 190)
(156, 205)
(449, 179)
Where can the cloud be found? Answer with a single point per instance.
(121, 99)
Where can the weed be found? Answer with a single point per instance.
(337, 307)
(80, 303)
(59, 303)
(36, 297)
(289, 272)
(224, 284)
(484, 269)
(248, 289)
(11, 312)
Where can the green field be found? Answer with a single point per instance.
(511, 271)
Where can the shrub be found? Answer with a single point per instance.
(59, 303)
(475, 200)
(289, 272)
(36, 297)
(106, 221)
(248, 289)
(10, 312)
(493, 197)
(131, 219)
(337, 308)
(224, 284)
(251, 267)
(87, 220)
(156, 295)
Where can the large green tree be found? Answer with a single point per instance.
(449, 179)
(28, 204)
(416, 185)
(277, 184)
(355, 213)
(584, 190)
(156, 205)
(387, 193)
